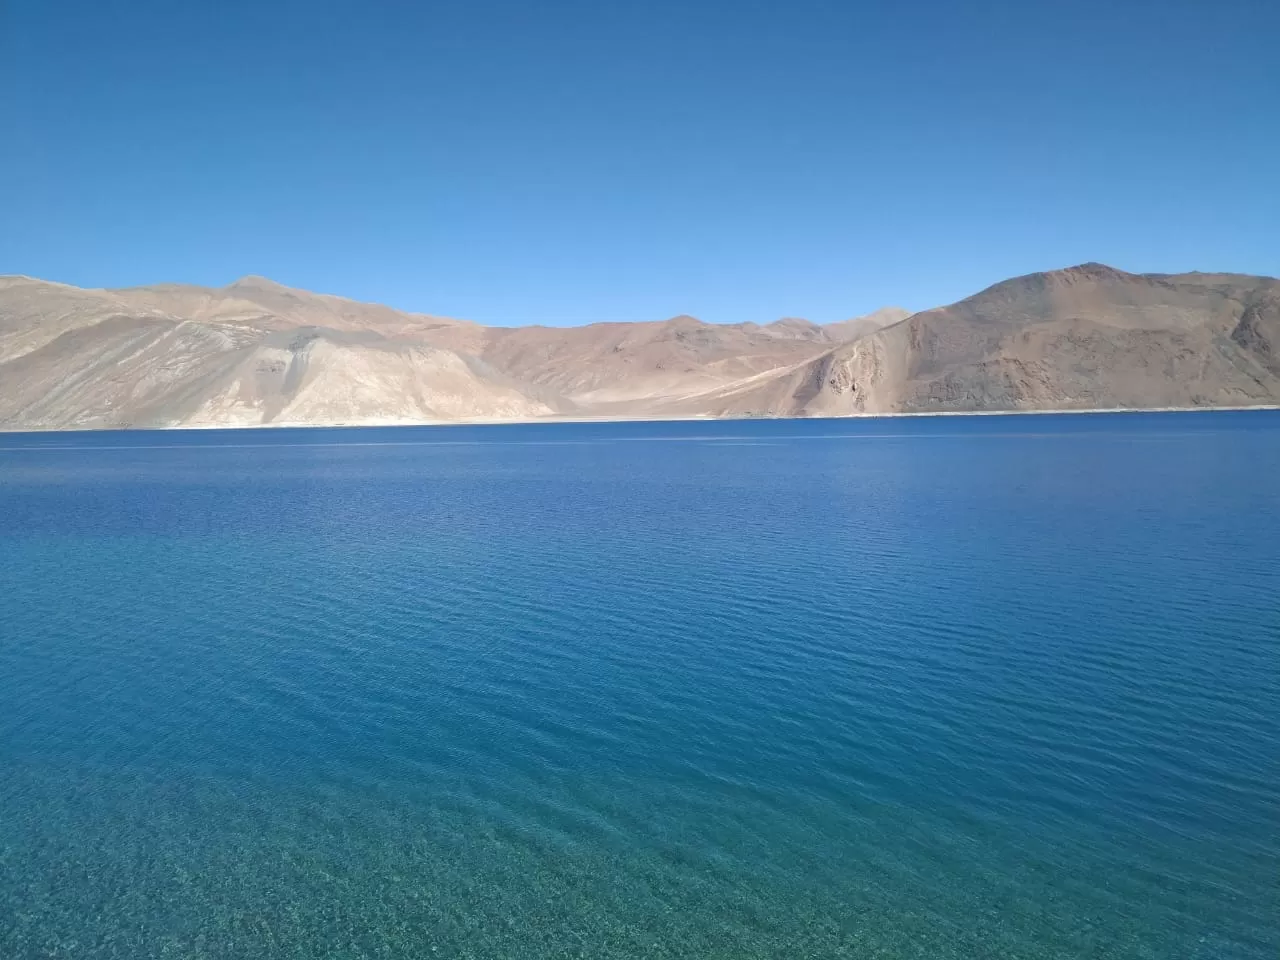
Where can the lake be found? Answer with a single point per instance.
(922, 687)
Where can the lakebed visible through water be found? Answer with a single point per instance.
(934, 688)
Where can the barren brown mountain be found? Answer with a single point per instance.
(256, 352)
(1083, 338)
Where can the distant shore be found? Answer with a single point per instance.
(296, 425)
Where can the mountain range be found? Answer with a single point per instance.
(257, 353)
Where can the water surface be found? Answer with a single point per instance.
(918, 688)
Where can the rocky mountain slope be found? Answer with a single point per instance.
(255, 352)
(1087, 337)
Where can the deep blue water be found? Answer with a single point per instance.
(991, 687)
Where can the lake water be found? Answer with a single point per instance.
(997, 687)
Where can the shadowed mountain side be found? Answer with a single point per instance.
(256, 352)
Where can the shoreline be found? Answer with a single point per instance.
(370, 424)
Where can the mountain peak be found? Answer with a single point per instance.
(255, 282)
(1090, 271)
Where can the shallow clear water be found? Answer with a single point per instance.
(944, 687)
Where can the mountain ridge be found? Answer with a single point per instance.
(256, 352)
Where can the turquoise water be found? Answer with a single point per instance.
(947, 687)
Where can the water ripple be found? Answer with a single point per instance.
(748, 690)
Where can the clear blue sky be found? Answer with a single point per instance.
(560, 162)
